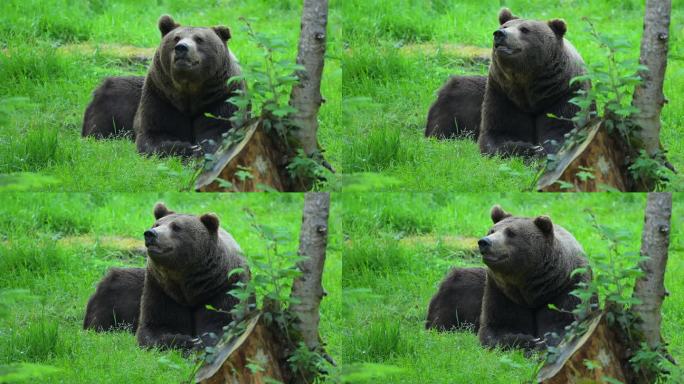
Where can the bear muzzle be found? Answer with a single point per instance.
(150, 237)
(501, 43)
(484, 243)
(499, 37)
(489, 255)
(185, 55)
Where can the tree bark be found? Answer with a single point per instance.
(306, 96)
(650, 288)
(648, 96)
(307, 288)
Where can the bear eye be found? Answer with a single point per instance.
(175, 227)
(490, 232)
(155, 225)
(510, 233)
(199, 40)
(524, 30)
(176, 39)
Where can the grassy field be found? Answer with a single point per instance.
(57, 246)
(54, 53)
(398, 248)
(398, 53)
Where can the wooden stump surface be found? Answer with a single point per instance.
(597, 348)
(599, 161)
(256, 345)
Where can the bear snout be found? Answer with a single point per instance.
(181, 48)
(484, 243)
(150, 237)
(499, 36)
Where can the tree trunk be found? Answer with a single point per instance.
(648, 96)
(306, 96)
(650, 288)
(307, 288)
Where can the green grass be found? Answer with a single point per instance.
(392, 267)
(58, 246)
(398, 53)
(41, 134)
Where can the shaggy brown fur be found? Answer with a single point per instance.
(529, 78)
(116, 301)
(189, 259)
(458, 302)
(111, 112)
(529, 264)
(458, 108)
(187, 79)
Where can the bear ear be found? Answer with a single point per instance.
(499, 214)
(558, 27)
(210, 221)
(160, 211)
(506, 15)
(166, 25)
(222, 32)
(544, 224)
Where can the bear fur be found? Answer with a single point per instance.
(188, 262)
(458, 302)
(529, 265)
(458, 108)
(187, 79)
(529, 77)
(115, 305)
(111, 112)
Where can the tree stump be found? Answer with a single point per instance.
(596, 164)
(589, 358)
(255, 163)
(257, 345)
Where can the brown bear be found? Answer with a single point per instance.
(111, 113)
(188, 78)
(529, 77)
(458, 108)
(458, 302)
(189, 259)
(529, 265)
(116, 301)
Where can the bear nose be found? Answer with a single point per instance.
(499, 35)
(484, 243)
(150, 236)
(181, 48)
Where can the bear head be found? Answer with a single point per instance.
(179, 242)
(516, 245)
(522, 44)
(190, 55)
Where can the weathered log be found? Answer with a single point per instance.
(260, 157)
(589, 358)
(257, 345)
(598, 163)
